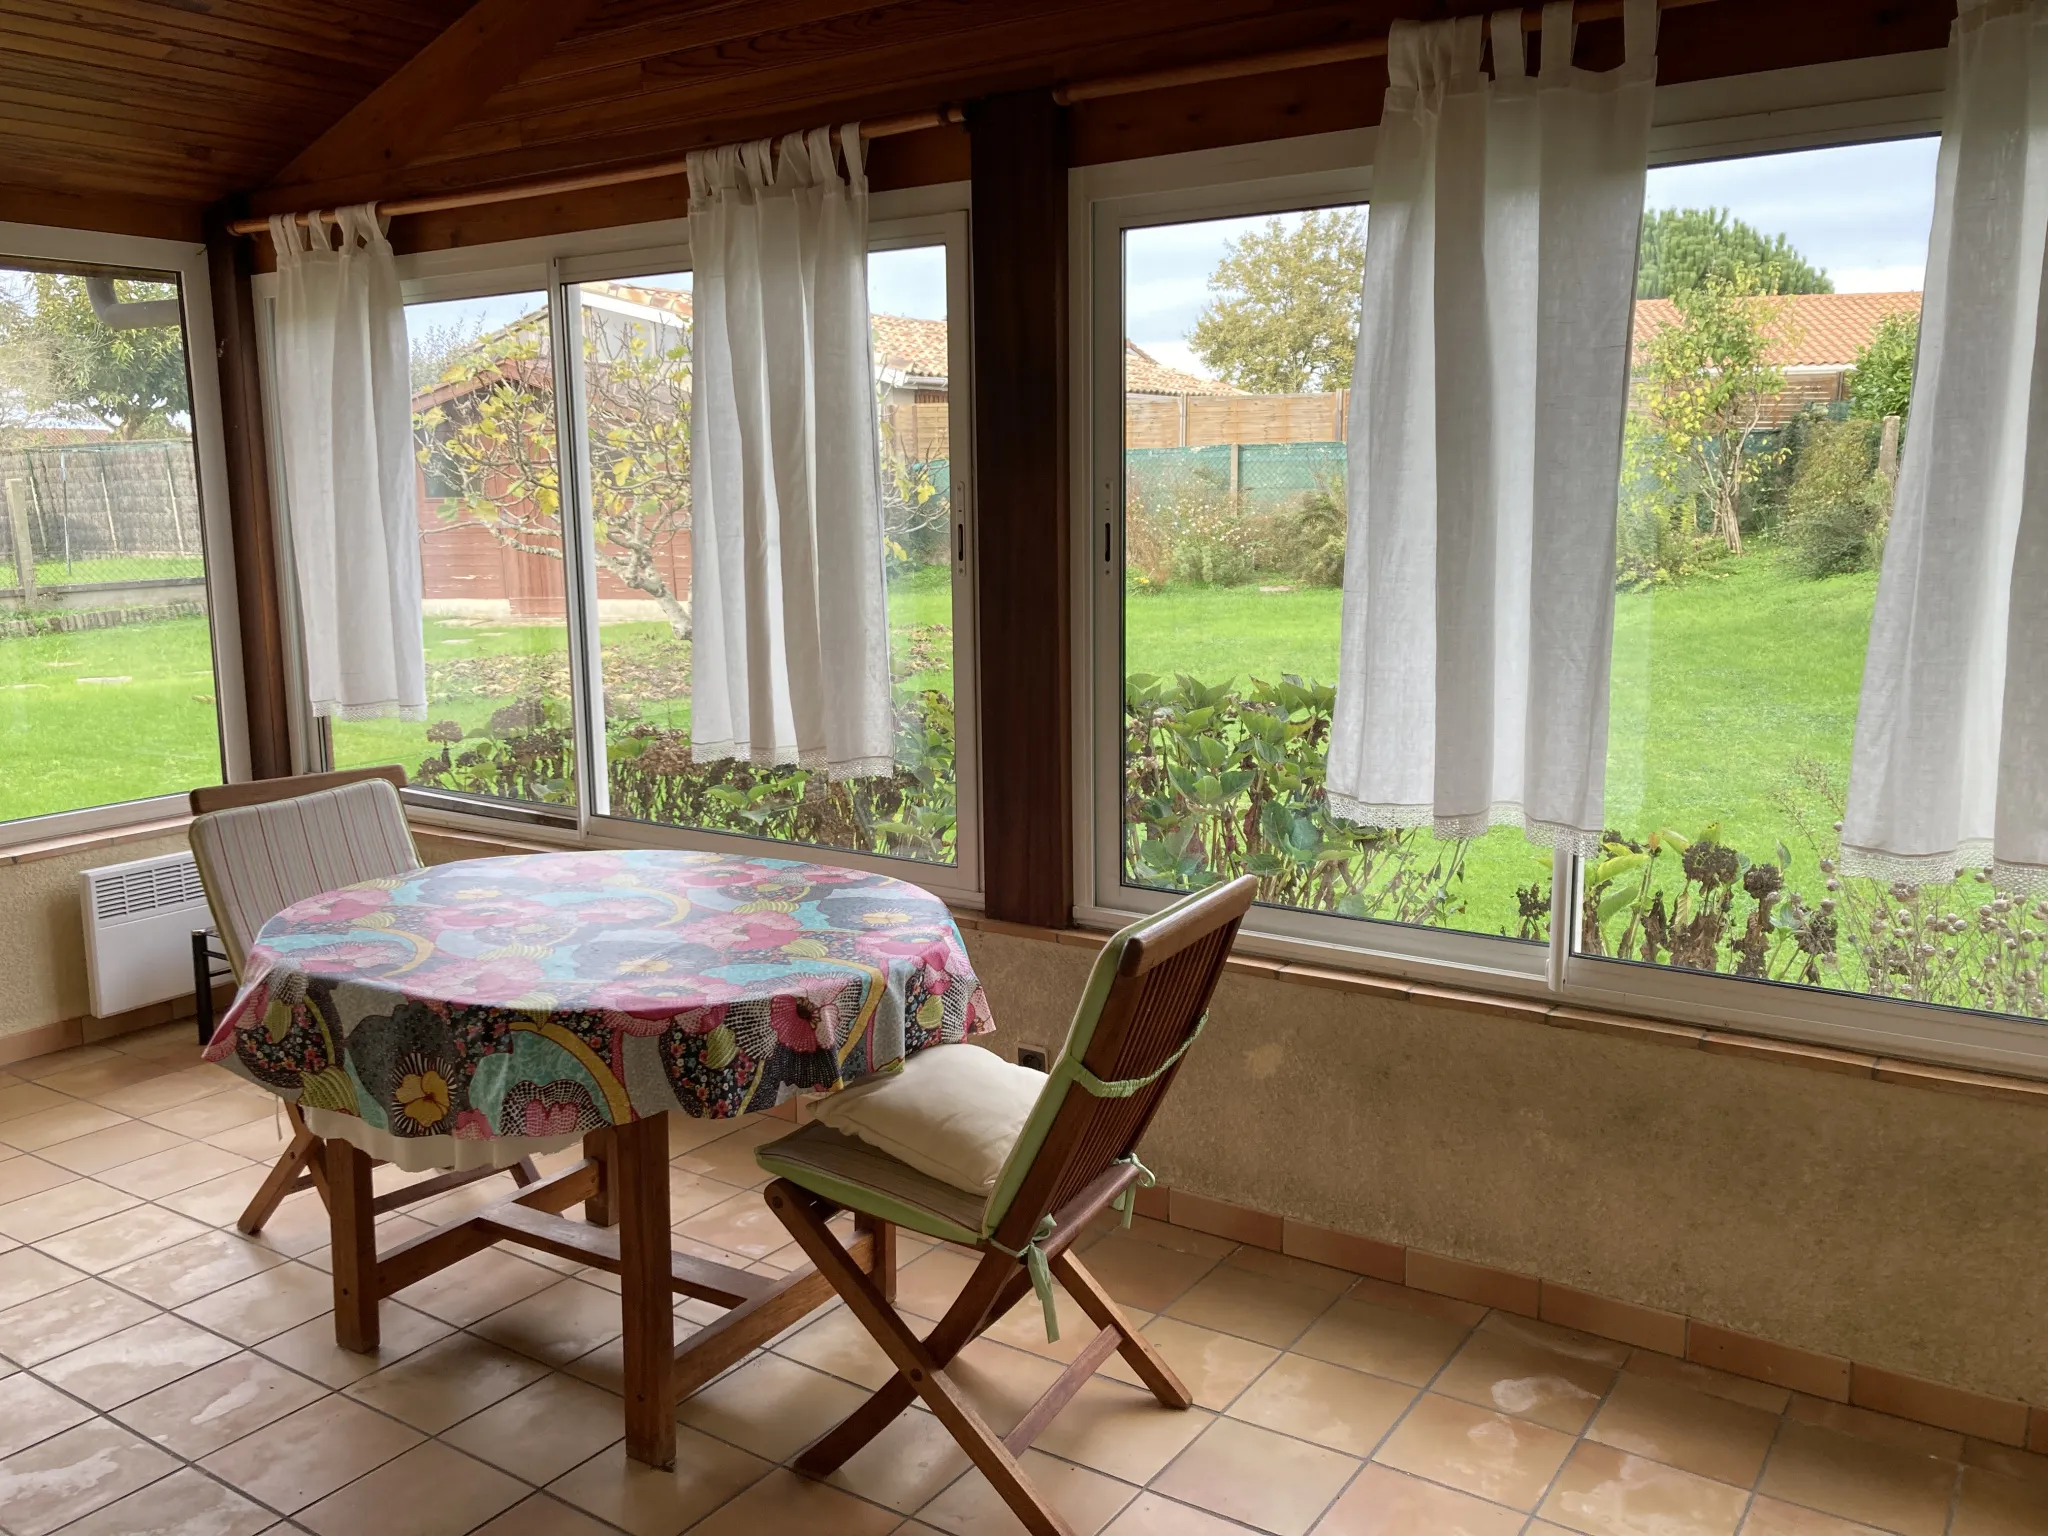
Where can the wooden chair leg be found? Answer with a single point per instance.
(883, 1270)
(1137, 1350)
(637, 1193)
(524, 1173)
(354, 1228)
(914, 1362)
(303, 1155)
(600, 1210)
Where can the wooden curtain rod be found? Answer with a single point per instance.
(875, 128)
(912, 122)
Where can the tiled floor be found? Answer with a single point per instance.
(160, 1373)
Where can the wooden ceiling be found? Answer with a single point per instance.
(131, 113)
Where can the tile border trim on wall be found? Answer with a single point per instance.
(87, 1029)
(1833, 1378)
(1644, 1031)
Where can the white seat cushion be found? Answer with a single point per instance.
(953, 1112)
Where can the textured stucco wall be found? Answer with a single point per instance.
(42, 940)
(1900, 1227)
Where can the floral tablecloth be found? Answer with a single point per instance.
(470, 1013)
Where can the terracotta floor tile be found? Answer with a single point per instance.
(1002, 1383)
(1143, 1274)
(1023, 1326)
(1086, 1500)
(540, 1515)
(125, 1365)
(187, 1503)
(304, 1456)
(1900, 1434)
(1770, 1517)
(1517, 1376)
(1606, 1492)
(31, 1410)
(1151, 1515)
(216, 1112)
(1404, 1346)
(25, 1098)
(784, 1501)
(481, 1284)
(60, 1122)
(730, 1159)
(1859, 1479)
(67, 1476)
(1331, 1405)
(650, 1502)
(1246, 1473)
(393, 1228)
(1213, 1366)
(1686, 1429)
(836, 1344)
(89, 1080)
(1401, 1298)
(22, 1175)
(190, 1270)
(543, 1430)
(1121, 1430)
(1704, 1378)
(121, 1238)
(108, 1148)
(26, 1274)
(1181, 1239)
(260, 1140)
(173, 1088)
(165, 1173)
(220, 1404)
(1259, 1307)
(1991, 1505)
(556, 1325)
(218, 1201)
(2007, 1461)
(431, 1490)
(268, 1303)
(60, 1209)
(1383, 1502)
(1501, 1459)
(906, 1466)
(64, 1320)
(446, 1382)
(310, 1348)
(1303, 1272)
(770, 1406)
(928, 1284)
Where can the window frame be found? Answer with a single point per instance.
(188, 261)
(1859, 101)
(919, 216)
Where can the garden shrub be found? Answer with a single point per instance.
(1657, 537)
(1312, 547)
(1838, 507)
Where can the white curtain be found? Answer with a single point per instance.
(344, 413)
(1950, 771)
(1485, 434)
(791, 611)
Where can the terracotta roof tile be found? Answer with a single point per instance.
(1144, 374)
(918, 347)
(1819, 330)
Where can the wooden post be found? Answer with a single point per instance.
(639, 1198)
(1888, 450)
(1023, 576)
(24, 545)
(352, 1224)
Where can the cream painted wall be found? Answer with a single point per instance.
(42, 940)
(1900, 1227)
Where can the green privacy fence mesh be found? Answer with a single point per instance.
(1265, 476)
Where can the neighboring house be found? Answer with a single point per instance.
(1818, 337)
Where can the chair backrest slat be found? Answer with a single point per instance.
(226, 797)
(256, 860)
(1167, 968)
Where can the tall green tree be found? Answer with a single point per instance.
(1881, 381)
(1282, 316)
(1683, 247)
(60, 364)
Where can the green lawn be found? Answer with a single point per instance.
(57, 573)
(1720, 687)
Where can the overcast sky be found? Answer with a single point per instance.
(1860, 213)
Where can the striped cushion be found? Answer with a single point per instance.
(256, 860)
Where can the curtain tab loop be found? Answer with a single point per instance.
(1510, 46)
(1639, 30)
(1560, 39)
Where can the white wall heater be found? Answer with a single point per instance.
(139, 919)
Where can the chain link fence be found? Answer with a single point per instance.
(94, 519)
(1257, 477)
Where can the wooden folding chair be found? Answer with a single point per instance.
(1073, 1158)
(260, 847)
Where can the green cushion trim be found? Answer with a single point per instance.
(850, 1173)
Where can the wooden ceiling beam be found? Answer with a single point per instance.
(433, 91)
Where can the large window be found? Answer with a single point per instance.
(490, 522)
(108, 684)
(555, 523)
(1237, 337)
(1778, 311)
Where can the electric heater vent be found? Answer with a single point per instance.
(139, 919)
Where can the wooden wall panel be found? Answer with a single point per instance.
(1021, 524)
